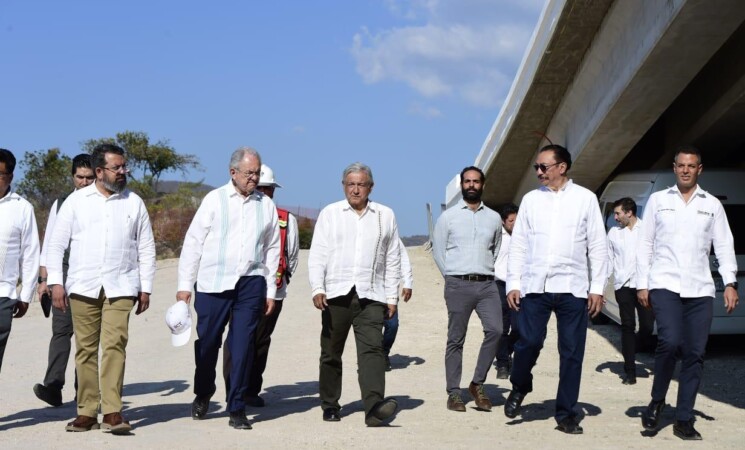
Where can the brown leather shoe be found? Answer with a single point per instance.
(82, 423)
(479, 396)
(455, 403)
(114, 423)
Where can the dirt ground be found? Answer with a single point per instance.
(157, 392)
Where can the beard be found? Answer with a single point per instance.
(115, 186)
(472, 195)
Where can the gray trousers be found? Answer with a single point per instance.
(462, 298)
(59, 348)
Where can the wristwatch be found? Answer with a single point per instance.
(41, 280)
(732, 285)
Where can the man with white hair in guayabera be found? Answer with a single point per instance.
(231, 252)
(354, 270)
(289, 245)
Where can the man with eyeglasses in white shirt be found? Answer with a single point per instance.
(111, 269)
(60, 343)
(465, 245)
(19, 251)
(558, 232)
(354, 271)
(622, 244)
(681, 224)
(230, 257)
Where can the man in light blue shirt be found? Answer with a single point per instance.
(466, 244)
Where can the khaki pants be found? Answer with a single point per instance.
(101, 321)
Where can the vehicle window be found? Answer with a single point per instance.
(736, 219)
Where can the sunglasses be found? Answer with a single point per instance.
(544, 167)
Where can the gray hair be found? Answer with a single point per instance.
(241, 153)
(358, 167)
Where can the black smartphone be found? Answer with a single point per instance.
(46, 304)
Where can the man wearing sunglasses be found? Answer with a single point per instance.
(558, 232)
(59, 346)
(111, 269)
(465, 246)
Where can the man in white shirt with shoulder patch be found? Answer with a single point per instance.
(558, 240)
(622, 243)
(231, 252)
(354, 271)
(681, 224)
(112, 267)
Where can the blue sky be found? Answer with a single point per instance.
(409, 87)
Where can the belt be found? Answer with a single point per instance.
(474, 277)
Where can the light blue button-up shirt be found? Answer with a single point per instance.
(467, 241)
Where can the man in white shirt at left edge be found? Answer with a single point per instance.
(19, 251)
(112, 266)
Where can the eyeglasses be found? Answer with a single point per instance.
(351, 185)
(5, 174)
(544, 167)
(250, 173)
(118, 169)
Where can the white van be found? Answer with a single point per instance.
(729, 187)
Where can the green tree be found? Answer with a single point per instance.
(148, 160)
(46, 177)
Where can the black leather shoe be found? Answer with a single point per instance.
(199, 407)
(569, 425)
(49, 395)
(255, 400)
(629, 379)
(388, 366)
(503, 373)
(331, 415)
(381, 413)
(512, 406)
(651, 416)
(684, 430)
(239, 421)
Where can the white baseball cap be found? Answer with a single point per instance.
(267, 177)
(178, 319)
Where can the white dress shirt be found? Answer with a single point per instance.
(556, 235)
(351, 250)
(230, 237)
(675, 242)
(407, 273)
(622, 244)
(19, 247)
(111, 244)
(293, 254)
(500, 265)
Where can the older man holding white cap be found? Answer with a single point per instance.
(289, 245)
(230, 258)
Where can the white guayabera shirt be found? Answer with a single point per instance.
(350, 250)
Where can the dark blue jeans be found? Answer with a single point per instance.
(683, 326)
(243, 308)
(390, 330)
(571, 321)
(510, 329)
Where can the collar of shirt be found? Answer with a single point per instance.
(11, 195)
(233, 192)
(369, 207)
(564, 188)
(463, 205)
(697, 192)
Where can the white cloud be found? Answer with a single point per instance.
(428, 112)
(468, 49)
